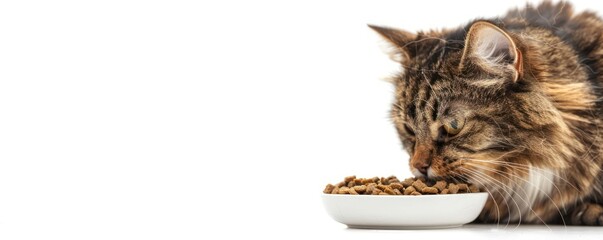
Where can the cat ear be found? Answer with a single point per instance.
(398, 39)
(492, 48)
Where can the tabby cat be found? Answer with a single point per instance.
(512, 104)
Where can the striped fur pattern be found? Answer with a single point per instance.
(512, 104)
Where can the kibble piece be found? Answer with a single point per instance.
(352, 191)
(389, 191)
(329, 188)
(409, 190)
(381, 187)
(349, 178)
(366, 181)
(453, 188)
(440, 185)
(383, 193)
(463, 187)
(358, 181)
(376, 191)
(376, 179)
(351, 184)
(430, 190)
(370, 188)
(341, 184)
(419, 185)
(397, 192)
(415, 193)
(393, 179)
(396, 186)
(360, 188)
(384, 181)
(407, 182)
(473, 189)
(445, 191)
(344, 190)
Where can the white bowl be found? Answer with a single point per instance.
(404, 212)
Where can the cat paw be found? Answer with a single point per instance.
(588, 214)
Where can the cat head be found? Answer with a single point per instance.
(466, 103)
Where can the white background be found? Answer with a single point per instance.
(191, 119)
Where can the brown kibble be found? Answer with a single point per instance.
(389, 191)
(430, 190)
(360, 188)
(384, 181)
(349, 178)
(419, 185)
(463, 187)
(453, 188)
(396, 186)
(392, 186)
(440, 185)
(375, 179)
(344, 190)
(366, 181)
(358, 181)
(407, 182)
(328, 189)
(409, 190)
(370, 188)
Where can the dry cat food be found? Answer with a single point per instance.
(392, 186)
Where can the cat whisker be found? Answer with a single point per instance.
(524, 167)
(499, 186)
(518, 195)
(493, 200)
(495, 171)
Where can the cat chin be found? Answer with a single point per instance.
(416, 173)
(431, 173)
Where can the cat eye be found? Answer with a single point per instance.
(454, 126)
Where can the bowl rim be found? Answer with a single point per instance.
(404, 196)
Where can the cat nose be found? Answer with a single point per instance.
(421, 159)
(422, 167)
